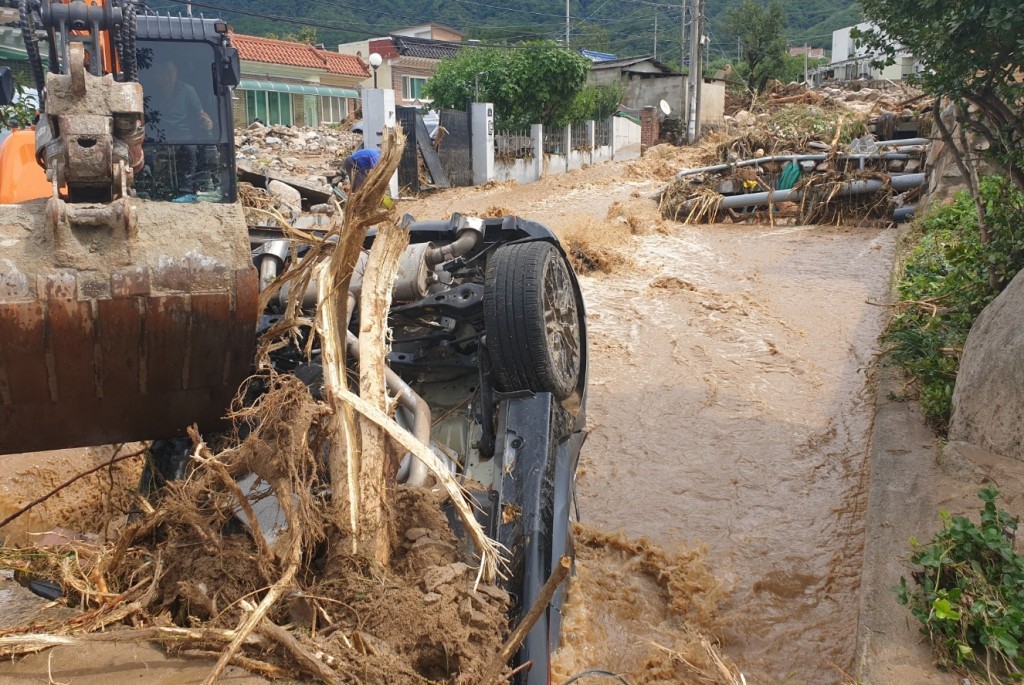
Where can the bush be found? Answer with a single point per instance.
(969, 593)
(949, 277)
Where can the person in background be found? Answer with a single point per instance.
(358, 166)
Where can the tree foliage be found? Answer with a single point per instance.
(625, 28)
(973, 53)
(529, 84)
(759, 29)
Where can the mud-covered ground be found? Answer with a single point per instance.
(732, 410)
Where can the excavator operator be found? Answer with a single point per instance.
(176, 104)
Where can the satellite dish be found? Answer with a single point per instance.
(665, 109)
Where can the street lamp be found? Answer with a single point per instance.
(375, 61)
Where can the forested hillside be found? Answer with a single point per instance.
(624, 27)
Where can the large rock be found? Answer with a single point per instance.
(988, 400)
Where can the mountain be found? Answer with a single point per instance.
(623, 27)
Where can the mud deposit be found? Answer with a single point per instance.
(729, 405)
(90, 504)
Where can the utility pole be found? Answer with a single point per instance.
(683, 117)
(566, 24)
(695, 75)
(806, 49)
(701, 57)
(655, 34)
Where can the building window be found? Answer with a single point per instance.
(270, 108)
(412, 87)
(334, 109)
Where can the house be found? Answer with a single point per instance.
(409, 58)
(851, 60)
(647, 81)
(285, 82)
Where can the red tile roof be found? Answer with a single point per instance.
(271, 51)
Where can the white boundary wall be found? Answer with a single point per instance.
(625, 139)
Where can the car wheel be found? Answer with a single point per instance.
(532, 321)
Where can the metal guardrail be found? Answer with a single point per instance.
(511, 145)
(554, 141)
(602, 133)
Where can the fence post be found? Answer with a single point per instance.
(611, 136)
(567, 145)
(537, 134)
(378, 114)
(592, 138)
(481, 122)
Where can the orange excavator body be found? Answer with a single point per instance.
(21, 177)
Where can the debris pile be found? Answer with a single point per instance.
(801, 182)
(299, 151)
(836, 154)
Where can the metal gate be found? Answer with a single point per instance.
(456, 147)
(408, 166)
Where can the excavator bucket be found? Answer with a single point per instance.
(122, 321)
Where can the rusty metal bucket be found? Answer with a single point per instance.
(122, 321)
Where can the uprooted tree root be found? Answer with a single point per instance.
(184, 575)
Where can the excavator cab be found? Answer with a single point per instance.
(128, 298)
(189, 145)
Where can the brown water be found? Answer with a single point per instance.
(730, 406)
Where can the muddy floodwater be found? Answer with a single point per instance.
(729, 405)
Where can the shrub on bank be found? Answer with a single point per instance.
(968, 593)
(949, 276)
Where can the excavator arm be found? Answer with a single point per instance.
(123, 315)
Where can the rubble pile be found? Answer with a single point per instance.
(892, 103)
(300, 151)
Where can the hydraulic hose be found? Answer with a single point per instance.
(35, 62)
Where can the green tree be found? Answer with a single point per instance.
(530, 83)
(762, 45)
(973, 53)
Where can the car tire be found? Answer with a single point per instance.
(532, 319)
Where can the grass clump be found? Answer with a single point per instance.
(969, 593)
(947, 280)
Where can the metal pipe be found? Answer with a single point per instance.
(471, 231)
(902, 214)
(408, 399)
(860, 187)
(905, 142)
(788, 158)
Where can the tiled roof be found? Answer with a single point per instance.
(272, 51)
(422, 47)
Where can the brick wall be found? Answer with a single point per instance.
(648, 127)
(396, 80)
(239, 109)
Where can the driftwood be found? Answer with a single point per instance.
(492, 674)
(374, 473)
